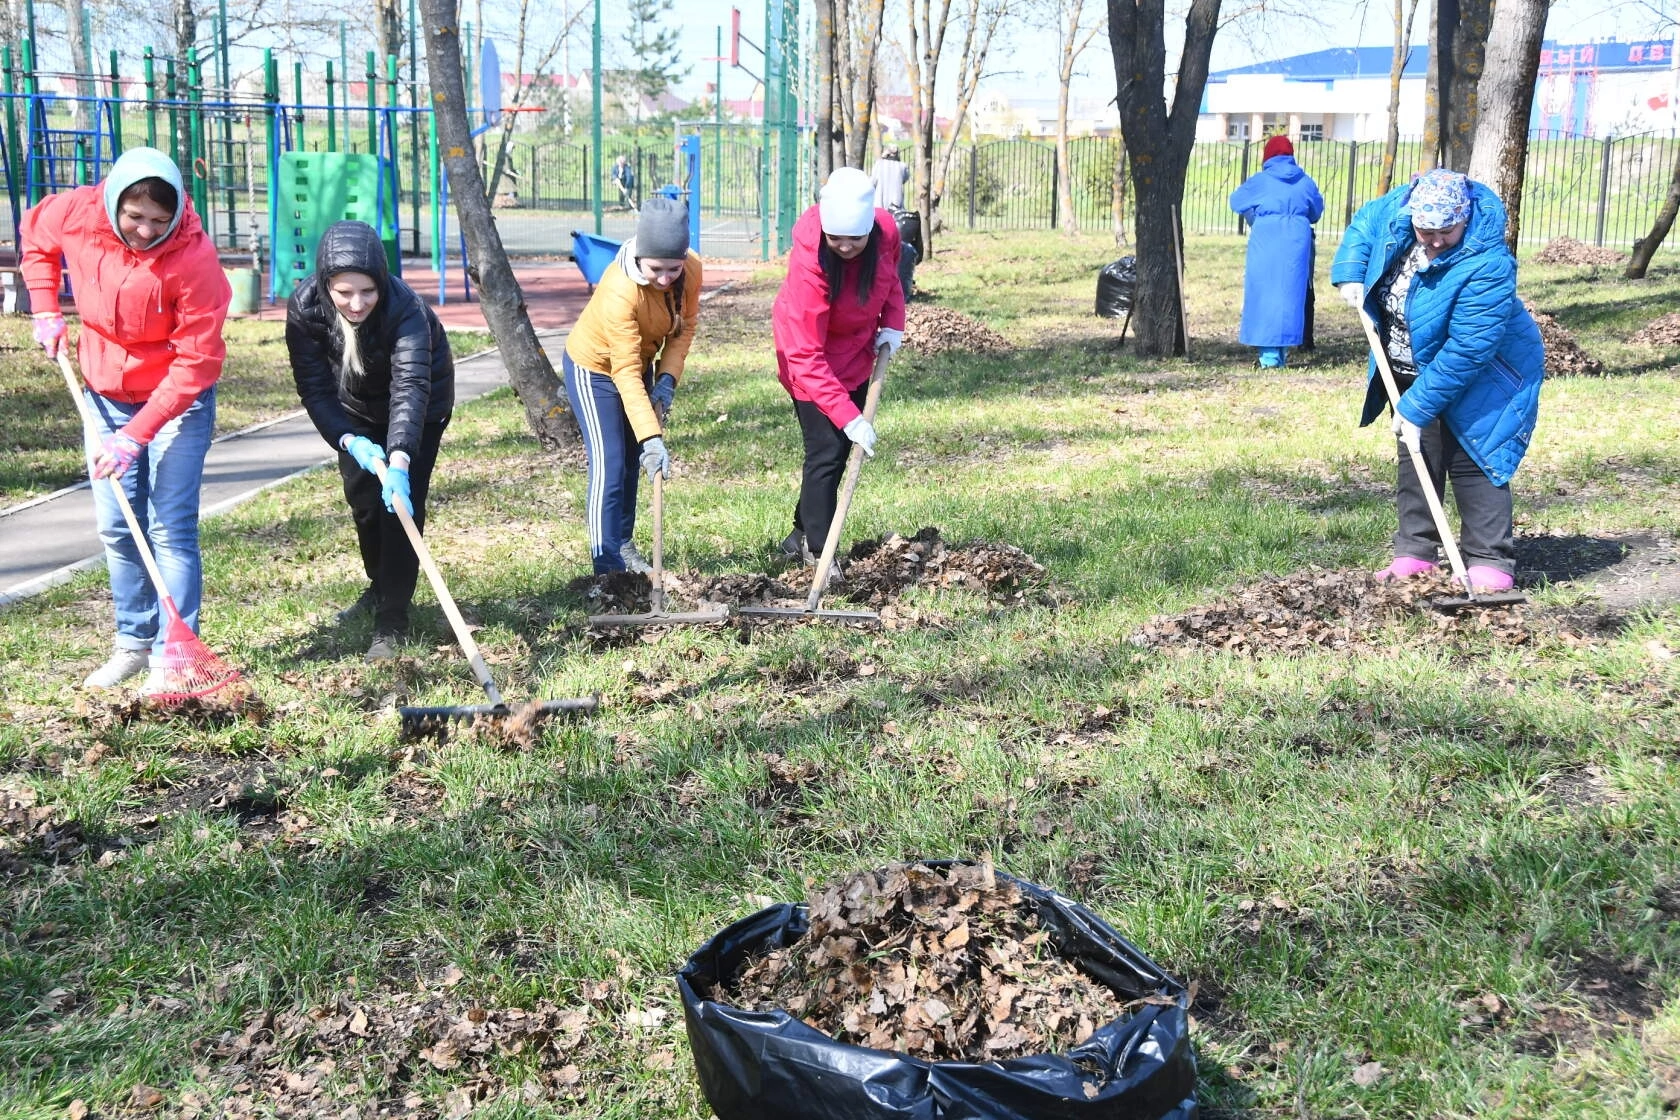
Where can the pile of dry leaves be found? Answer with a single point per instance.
(940, 964)
(311, 1063)
(1564, 356)
(931, 329)
(1663, 333)
(1567, 250)
(1319, 609)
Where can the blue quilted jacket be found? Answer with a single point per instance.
(1479, 356)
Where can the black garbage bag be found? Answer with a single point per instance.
(763, 1065)
(1116, 284)
(909, 229)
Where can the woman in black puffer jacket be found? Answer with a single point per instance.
(373, 367)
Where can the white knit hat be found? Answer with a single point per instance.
(847, 203)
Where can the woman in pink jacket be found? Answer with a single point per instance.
(840, 303)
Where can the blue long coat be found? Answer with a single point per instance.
(1280, 203)
(1479, 356)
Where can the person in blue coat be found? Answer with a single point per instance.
(1280, 203)
(1428, 262)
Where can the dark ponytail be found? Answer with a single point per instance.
(833, 267)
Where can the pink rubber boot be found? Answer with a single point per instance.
(1488, 581)
(1405, 567)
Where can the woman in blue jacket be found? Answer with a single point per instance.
(1428, 262)
(1280, 203)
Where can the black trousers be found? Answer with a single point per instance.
(826, 448)
(1484, 510)
(391, 566)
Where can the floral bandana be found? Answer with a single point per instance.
(1439, 199)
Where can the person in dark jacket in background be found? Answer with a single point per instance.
(373, 368)
(1280, 203)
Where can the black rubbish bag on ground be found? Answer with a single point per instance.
(765, 1065)
(909, 229)
(1115, 285)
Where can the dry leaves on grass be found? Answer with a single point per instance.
(1663, 333)
(1567, 250)
(298, 1064)
(1564, 356)
(941, 964)
(1318, 609)
(930, 329)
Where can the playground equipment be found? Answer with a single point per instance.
(592, 255)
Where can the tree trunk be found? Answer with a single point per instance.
(1159, 142)
(1646, 247)
(928, 21)
(1064, 166)
(389, 28)
(1499, 156)
(868, 18)
(528, 366)
(984, 18)
(1119, 196)
(825, 88)
(1405, 11)
(82, 111)
(186, 45)
(1457, 39)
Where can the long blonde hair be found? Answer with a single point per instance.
(350, 368)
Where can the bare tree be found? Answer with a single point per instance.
(528, 366)
(1457, 39)
(1506, 96)
(523, 90)
(859, 50)
(1077, 24)
(388, 26)
(1119, 196)
(930, 20)
(1159, 142)
(1405, 11)
(826, 16)
(1646, 247)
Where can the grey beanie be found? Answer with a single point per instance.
(662, 230)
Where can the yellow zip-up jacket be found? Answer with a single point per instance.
(626, 324)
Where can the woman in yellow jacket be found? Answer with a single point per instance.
(622, 364)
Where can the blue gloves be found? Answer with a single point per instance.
(664, 391)
(365, 452)
(396, 488)
(655, 459)
(116, 455)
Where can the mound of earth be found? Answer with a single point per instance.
(1567, 250)
(1564, 356)
(938, 964)
(1317, 609)
(1663, 333)
(939, 330)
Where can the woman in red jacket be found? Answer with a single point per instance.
(839, 304)
(152, 299)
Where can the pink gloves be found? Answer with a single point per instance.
(116, 455)
(49, 331)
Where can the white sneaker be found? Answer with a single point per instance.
(124, 663)
(157, 681)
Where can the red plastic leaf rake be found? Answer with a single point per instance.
(191, 670)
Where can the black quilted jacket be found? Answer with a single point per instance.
(410, 374)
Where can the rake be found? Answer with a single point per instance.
(1449, 543)
(657, 614)
(819, 581)
(426, 721)
(191, 670)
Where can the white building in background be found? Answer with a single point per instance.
(1594, 89)
(997, 115)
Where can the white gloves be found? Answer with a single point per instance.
(1353, 292)
(1410, 434)
(889, 338)
(862, 433)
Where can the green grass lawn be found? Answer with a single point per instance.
(1455, 858)
(41, 448)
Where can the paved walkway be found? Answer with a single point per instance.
(48, 541)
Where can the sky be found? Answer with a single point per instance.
(1019, 71)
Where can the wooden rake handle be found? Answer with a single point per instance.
(848, 486)
(444, 598)
(1436, 511)
(141, 544)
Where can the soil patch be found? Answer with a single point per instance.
(1567, 250)
(1663, 333)
(1606, 994)
(1319, 609)
(1564, 356)
(939, 964)
(1623, 571)
(930, 329)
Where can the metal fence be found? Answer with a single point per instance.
(1600, 191)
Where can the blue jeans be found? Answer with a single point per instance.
(162, 486)
(614, 464)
